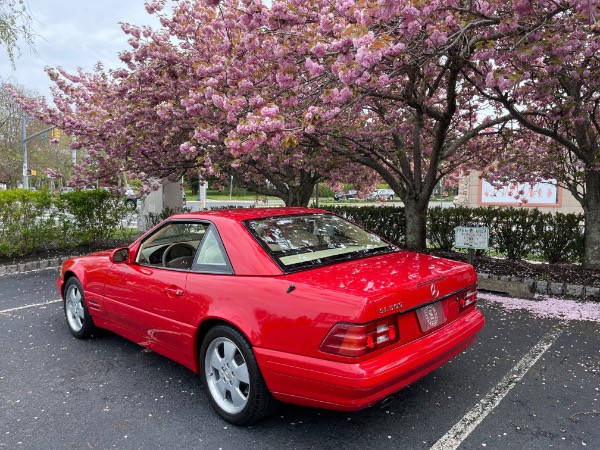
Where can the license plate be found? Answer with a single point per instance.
(431, 316)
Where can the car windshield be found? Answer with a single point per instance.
(302, 241)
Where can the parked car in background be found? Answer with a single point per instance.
(345, 195)
(382, 195)
(131, 198)
(278, 304)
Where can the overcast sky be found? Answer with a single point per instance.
(72, 34)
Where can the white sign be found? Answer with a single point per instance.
(515, 193)
(472, 237)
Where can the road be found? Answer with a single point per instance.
(196, 205)
(531, 381)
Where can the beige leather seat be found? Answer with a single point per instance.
(302, 238)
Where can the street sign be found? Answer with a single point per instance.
(472, 237)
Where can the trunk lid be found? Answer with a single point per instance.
(394, 282)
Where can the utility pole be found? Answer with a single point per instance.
(25, 138)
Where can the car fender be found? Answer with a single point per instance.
(91, 271)
(281, 315)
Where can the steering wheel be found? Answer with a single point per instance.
(180, 252)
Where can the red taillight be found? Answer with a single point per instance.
(347, 339)
(467, 298)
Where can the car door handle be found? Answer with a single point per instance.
(174, 291)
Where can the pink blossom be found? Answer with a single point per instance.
(413, 28)
(313, 68)
(367, 58)
(270, 111)
(319, 50)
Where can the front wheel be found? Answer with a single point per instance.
(80, 322)
(232, 379)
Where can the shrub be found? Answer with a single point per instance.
(27, 221)
(325, 191)
(514, 231)
(91, 216)
(441, 223)
(389, 222)
(560, 237)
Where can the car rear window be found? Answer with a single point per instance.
(302, 241)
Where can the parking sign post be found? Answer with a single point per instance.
(472, 238)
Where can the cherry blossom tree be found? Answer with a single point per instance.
(380, 83)
(301, 91)
(246, 116)
(164, 115)
(549, 81)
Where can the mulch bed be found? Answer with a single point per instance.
(564, 273)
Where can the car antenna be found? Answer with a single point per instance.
(290, 289)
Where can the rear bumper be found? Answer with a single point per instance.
(349, 387)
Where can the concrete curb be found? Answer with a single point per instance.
(513, 286)
(32, 266)
(527, 288)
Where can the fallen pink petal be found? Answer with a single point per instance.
(549, 307)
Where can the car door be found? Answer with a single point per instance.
(210, 281)
(146, 298)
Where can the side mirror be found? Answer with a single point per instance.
(120, 255)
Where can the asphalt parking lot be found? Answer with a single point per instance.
(531, 381)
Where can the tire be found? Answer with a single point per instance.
(232, 379)
(79, 321)
(391, 198)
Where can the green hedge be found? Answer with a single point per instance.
(34, 220)
(26, 221)
(514, 233)
(386, 221)
(91, 216)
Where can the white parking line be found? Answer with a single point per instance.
(29, 306)
(459, 432)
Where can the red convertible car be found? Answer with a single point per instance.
(278, 304)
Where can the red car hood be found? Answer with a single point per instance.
(395, 281)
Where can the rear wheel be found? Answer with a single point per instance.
(232, 378)
(79, 320)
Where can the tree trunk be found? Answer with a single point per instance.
(416, 224)
(591, 210)
(292, 195)
(300, 195)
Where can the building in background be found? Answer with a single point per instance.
(546, 196)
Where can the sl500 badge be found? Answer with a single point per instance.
(390, 308)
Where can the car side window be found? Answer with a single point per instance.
(211, 256)
(172, 246)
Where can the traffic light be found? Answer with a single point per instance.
(31, 173)
(56, 133)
